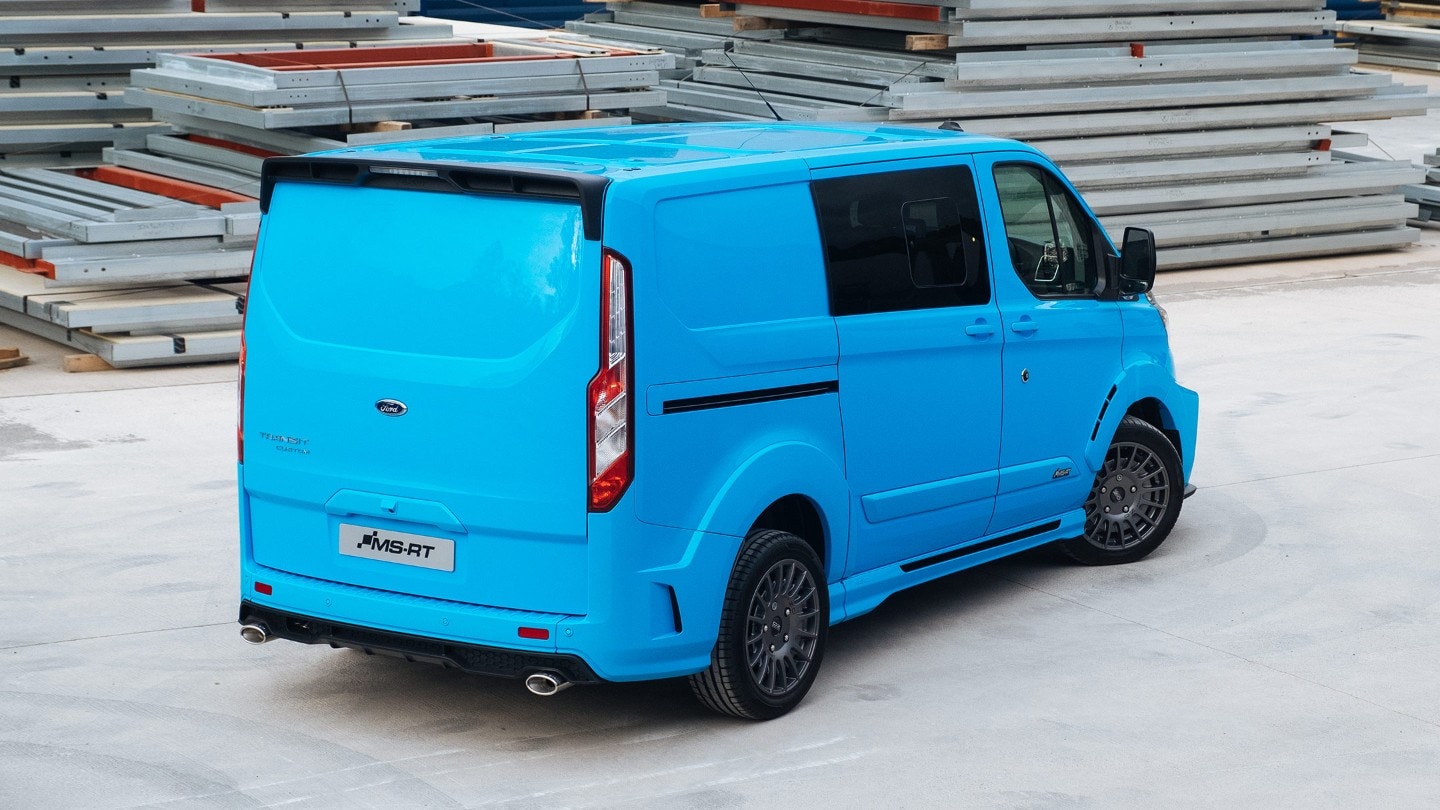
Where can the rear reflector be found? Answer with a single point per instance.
(261, 587)
(537, 633)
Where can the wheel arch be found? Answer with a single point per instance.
(792, 487)
(1153, 411)
(800, 516)
(1149, 392)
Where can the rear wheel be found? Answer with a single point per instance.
(1135, 499)
(772, 630)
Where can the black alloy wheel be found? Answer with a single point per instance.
(772, 630)
(1135, 499)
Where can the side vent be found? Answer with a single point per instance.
(1101, 418)
(675, 609)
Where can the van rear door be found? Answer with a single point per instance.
(414, 405)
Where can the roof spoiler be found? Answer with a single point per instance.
(456, 178)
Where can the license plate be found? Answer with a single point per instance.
(418, 550)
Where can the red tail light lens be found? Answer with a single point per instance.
(240, 382)
(611, 456)
(240, 403)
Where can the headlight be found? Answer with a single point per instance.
(1164, 316)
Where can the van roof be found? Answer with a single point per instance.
(580, 164)
(621, 152)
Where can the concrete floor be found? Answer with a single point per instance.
(1281, 650)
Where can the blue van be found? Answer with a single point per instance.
(660, 401)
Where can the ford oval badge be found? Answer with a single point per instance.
(391, 407)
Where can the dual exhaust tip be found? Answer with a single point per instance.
(544, 684)
(255, 632)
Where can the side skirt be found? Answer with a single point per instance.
(859, 594)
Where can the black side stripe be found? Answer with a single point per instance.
(750, 397)
(979, 547)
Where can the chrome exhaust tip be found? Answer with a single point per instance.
(255, 632)
(546, 684)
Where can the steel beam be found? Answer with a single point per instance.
(1266, 221)
(1331, 180)
(371, 112)
(1293, 248)
(1191, 119)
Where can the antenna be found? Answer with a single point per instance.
(746, 77)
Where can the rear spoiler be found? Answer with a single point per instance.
(455, 178)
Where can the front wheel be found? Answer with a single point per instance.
(1135, 499)
(772, 630)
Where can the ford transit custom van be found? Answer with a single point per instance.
(670, 401)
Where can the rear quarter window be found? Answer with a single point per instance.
(743, 256)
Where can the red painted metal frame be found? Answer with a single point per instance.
(412, 56)
(164, 186)
(254, 151)
(22, 264)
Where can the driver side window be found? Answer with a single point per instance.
(1052, 240)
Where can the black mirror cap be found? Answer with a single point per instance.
(1137, 261)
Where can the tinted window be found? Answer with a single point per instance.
(1052, 240)
(902, 240)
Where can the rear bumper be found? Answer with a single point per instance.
(472, 658)
(656, 594)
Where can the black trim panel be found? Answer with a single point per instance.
(450, 176)
(750, 397)
(472, 658)
(979, 547)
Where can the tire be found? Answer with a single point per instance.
(772, 630)
(1135, 499)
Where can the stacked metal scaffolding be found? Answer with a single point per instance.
(1416, 12)
(68, 63)
(130, 237)
(1427, 196)
(439, 84)
(101, 266)
(121, 263)
(1409, 37)
(1200, 119)
(684, 30)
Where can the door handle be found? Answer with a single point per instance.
(979, 330)
(1024, 326)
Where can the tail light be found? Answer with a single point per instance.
(244, 305)
(612, 442)
(240, 405)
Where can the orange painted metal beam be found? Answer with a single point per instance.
(231, 145)
(22, 264)
(164, 186)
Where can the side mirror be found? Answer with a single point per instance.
(1137, 261)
